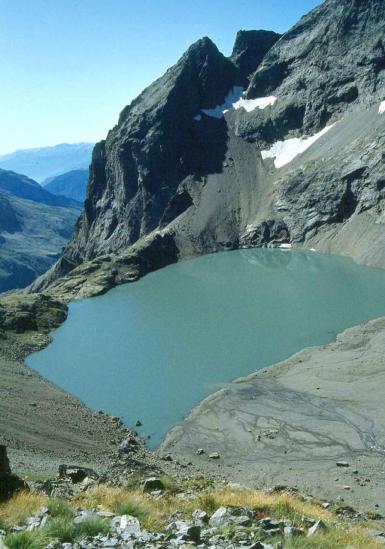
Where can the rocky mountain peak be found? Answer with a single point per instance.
(249, 49)
(191, 164)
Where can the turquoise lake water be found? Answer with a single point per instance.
(153, 349)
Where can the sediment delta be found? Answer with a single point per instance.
(315, 422)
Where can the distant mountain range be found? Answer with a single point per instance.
(46, 162)
(34, 226)
(24, 187)
(71, 184)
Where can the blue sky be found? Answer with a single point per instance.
(68, 67)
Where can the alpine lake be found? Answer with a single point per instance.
(153, 349)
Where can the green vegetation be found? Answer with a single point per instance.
(60, 508)
(153, 514)
(60, 528)
(24, 540)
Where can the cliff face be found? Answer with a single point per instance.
(136, 172)
(191, 165)
(332, 59)
(162, 139)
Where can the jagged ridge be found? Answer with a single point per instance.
(170, 169)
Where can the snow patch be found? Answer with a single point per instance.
(252, 104)
(285, 246)
(285, 151)
(232, 97)
(234, 100)
(381, 110)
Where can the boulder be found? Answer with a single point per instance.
(319, 526)
(185, 531)
(128, 444)
(129, 527)
(85, 516)
(76, 474)
(200, 517)
(225, 516)
(342, 464)
(152, 484)
(271, 524)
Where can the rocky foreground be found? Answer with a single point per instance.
(81, 509)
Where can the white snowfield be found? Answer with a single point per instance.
(234, 100)
(285, 151)
(381, 110)
(252, 104)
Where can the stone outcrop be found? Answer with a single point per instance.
(9, 483)
(31, 313)
(26, 321)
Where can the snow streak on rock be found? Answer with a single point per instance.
(284, 152)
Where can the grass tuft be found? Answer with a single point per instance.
(59, 507)
(62, 529)
(24, 540)
(128, 506)
(92, 527)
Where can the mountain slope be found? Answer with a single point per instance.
(24, 187)
(44, 162)
(72, 184)
(190, 169)
(34, 226)
(162, 138)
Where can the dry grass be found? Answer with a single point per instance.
(21, 506)
(278, 506)
(334, 538)
(153, 513)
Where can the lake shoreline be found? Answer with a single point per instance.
(43, 426)
(290, 424)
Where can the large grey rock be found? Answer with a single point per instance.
(129, 527)
(332, 58)
(152, 484)
(249, 50)
(225, 516)
(76, 474)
